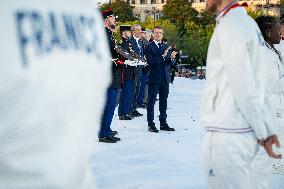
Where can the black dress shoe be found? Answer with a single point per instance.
(144, 106)
(113, 133)
(136, 113)
(152, 128)
(107, 139)
(125, 117)
(165, 127)
(116, 138)
(133, 115)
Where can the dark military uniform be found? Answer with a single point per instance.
(117, 82)
(117, 67)
(126, 94)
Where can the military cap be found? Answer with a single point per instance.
(125, 28)
(107, 13)
(143, 29)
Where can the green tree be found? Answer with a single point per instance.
(206, 18)
(179, 12)
(281, 7)
(254, 13)
(121, 8)
(197, 41)
(184, 26)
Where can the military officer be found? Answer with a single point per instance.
(105, 133)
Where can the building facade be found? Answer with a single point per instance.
(154, 8)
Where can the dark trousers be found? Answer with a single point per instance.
(125, 99)
(106, 120)
(153, 90)
(142, 89)
(137, 84)
(173, 74)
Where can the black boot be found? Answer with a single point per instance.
(113, 132)
(136, 114)
(165, 127)
(125, 117)
(152, 128)
(107, 139)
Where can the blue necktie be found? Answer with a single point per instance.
(140, 47)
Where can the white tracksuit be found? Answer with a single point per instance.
(274, 82)
(53, 59)
(235, 110)
(272, 69)
(278, 91)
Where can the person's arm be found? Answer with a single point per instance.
(247, 91)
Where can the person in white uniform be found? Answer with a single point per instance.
(272, 69)
(276, 88)
(234, 110)
(52, 59)
(280, 46)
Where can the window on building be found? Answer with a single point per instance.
(137, 15)
(142, 2)
(157, 16)
(163, 1)
(128, 2)
(133, 2)
(153, 1)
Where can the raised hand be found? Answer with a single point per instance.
(166, 52)
(173, 54)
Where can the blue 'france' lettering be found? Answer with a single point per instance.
(56, 40)
(23, 39)
(37, 27)
(41, 34)
(70, 31)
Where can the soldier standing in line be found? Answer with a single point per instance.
(106, 134)
(126, 94)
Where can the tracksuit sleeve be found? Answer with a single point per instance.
(247, 90)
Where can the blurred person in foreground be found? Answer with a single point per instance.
(51, 99)
(234, 110)
(273, 71)
(280, 46)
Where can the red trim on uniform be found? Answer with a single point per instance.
(230, 8)
(120, 62)
(108, 10)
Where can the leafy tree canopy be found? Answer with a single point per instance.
(179, 12)
(121, 8)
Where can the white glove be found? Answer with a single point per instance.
(141, 63)
(130, 63)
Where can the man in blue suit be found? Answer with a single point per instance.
(137, 47)
(159, 58)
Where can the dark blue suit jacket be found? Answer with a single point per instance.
(135, 47)
(159, 66)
